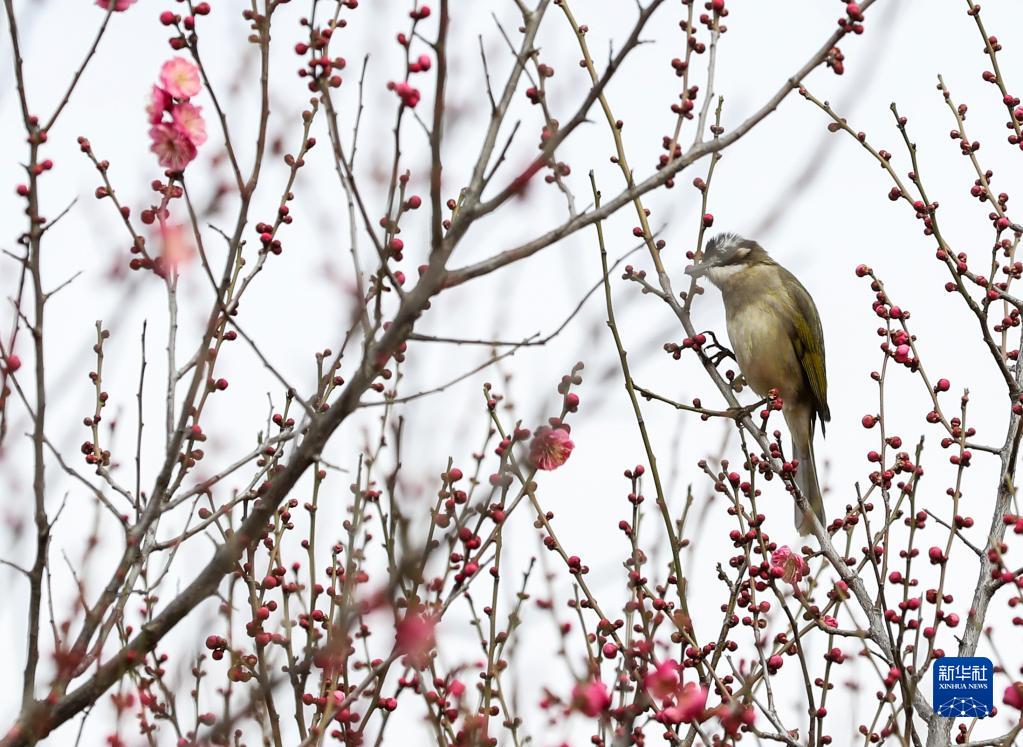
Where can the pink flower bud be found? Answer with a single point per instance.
(591, 698)
(1014, 696)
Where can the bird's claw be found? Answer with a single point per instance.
(738, 413)
(714, 350)
(718, 357)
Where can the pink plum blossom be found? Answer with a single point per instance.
(591, 698)
(664, 681)
(189, 122)
(180, 78)
(177, 246)
(119, 5)
(734, 716)
(173, 150)
(689, 706)
(415, 639)
(792, 566)
(159, 102)
(550, 448)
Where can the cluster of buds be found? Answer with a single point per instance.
(184, 25)
(217, 645)
(94, 453)
(269, 243)
(94, 456)
(37, 169)
(254, 627)
(686, 103)
(266, 238)
(1001, 572)
(406, 92)
(774, 404)
(899, 345)
(696, 342)
(836, 61)
(536, 94)
(465, 561)
(717, 7)
(393, 245)
(853, 19)
(175, 247)
(320, 68)
(631, 273)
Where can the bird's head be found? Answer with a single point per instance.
(726, 255)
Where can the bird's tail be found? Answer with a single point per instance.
(806, 478)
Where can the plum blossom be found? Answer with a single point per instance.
(119, 5)
(180, 78)
(177, 248)
(689, 706)
(189, 122)
(415, 639)
(791, 567)
(734, 716)
(159, 102)
(664, 681)
(591, 698)
(173, 150)
(475, 729)
(176, 142)
(550, 447)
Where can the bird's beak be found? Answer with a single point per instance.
(698, 270)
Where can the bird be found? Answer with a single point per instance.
(776, 336)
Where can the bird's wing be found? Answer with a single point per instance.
(808, 341)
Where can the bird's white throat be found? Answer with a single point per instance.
(719, 275)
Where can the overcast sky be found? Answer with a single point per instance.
(816, 201)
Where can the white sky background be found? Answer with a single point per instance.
(300, 304)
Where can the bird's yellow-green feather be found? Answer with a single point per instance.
(808, 343)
